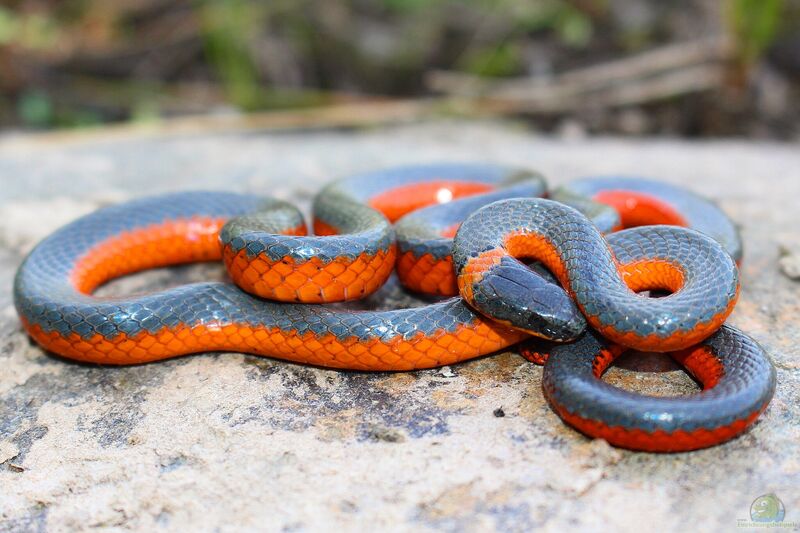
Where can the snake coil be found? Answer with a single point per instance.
(449, 229)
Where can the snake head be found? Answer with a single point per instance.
(513, 294)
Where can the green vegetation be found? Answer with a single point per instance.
(755, 25)
(228, 28)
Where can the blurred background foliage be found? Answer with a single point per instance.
(72, 63)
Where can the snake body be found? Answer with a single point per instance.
(414, 217)
(264, 246)
(738, 382)
(640, 202)
(53, 296)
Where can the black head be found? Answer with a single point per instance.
(512, 293)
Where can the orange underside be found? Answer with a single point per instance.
(701, 363)
(399, 201)
(340, 280)
(639, 276)
(651, 275)
(312, 281)
(450, 231)
(426, 274)
(639, 209)
(322, 229)
(441, 348)
(172, 243)
(192, 240)
(532, 353)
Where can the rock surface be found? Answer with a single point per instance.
(228, 441)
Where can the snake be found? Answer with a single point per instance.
(456, 231)
(262, 241)
(603, 274)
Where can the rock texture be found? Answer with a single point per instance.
(228, 442)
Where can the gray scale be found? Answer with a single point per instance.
(362, 230)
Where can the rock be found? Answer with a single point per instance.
(789, 262)
(235, 442)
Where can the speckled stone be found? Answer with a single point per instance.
(222, 442)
